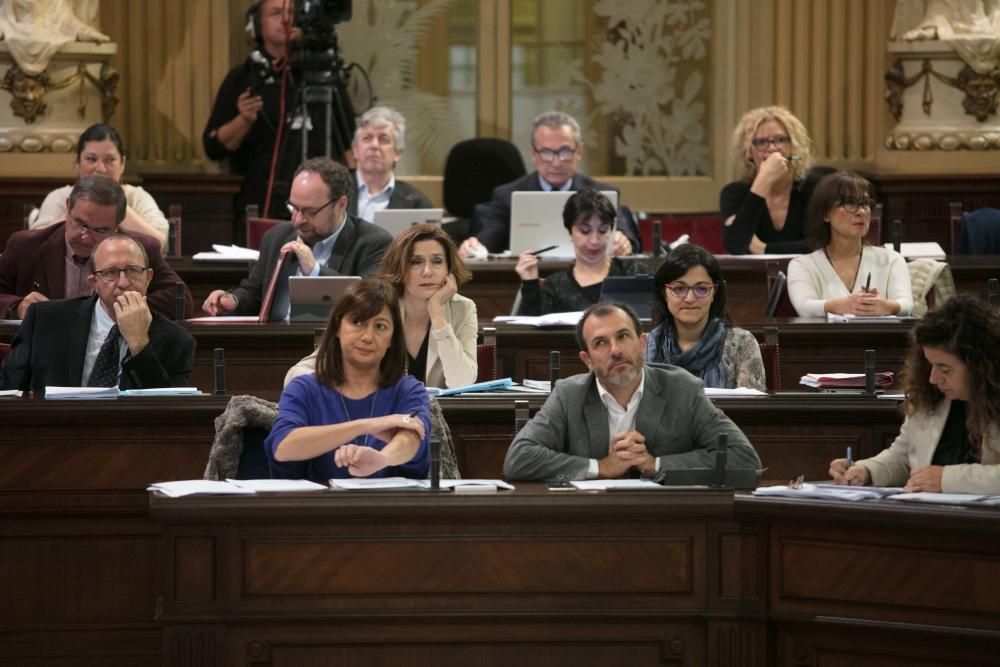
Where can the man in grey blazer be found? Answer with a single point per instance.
(322, 239)
(622, 417)
(378, 145)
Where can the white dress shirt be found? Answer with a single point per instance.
(619, 419)
(369, 202)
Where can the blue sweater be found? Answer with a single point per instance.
(305, 402)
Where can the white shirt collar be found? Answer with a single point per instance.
(606, 395)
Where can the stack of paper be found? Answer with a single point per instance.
(844, 380)
(827, 492)
(617, 485)
(948, 498)
(719, 392)
(928, 249)
(62, 393)
(277, 485)
(541, 385)
(550, 320)
(194, 487)
(162, 391)
(836, 317)
(375, 483)
(227, 253)
(489, 385)
(10, 393)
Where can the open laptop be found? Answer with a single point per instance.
(636, 291)
(398, 220)
(536, 222)
(313, 297)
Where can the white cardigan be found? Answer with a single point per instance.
(53, 209)
(914, 448)
(812, 280)
(451, 351)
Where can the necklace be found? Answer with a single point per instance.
(370, 414)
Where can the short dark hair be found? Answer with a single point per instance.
(396, 260)
(100, 132)
(968, 328)
(102, 191)
(363, 300)
(584, 205)
(682, 259)
(119, 236)
(335, 175)
(832, 191)
(600, 309)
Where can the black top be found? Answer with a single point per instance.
(562, 294)
(418, 367)
(752, 216)
(955, 447)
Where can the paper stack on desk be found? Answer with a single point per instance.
(227, 253)
(827, 491)
(198, 487)
(550, 320)
(65, 393)
(844, 380)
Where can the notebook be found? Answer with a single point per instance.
(536, 221)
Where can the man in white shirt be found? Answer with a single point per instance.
(378, 145)
(622, 417)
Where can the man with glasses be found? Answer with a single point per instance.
(53, 262)
(321, 239)
(556, 148)
(106, 340)
(622, 418)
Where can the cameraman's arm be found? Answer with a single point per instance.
(232, 134)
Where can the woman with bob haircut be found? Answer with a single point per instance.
(589, 218)
(950, 439)
(100, 150)
(439, 325)
(845, 275)
(359, 414)
(764, 211)
(692, 329)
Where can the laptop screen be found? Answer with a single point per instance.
(536, 221)
(636, 291)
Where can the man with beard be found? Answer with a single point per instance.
(322, 239)
(622, 418)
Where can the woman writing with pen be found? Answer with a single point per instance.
(844, 275)
(950, 440)
(589, 217)
(359, 414)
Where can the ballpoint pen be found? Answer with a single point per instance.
(545, 249)
(848, 466)
(868, 283)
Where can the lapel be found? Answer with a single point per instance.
(596, 416)
(432, 351)
(649, 418)
(344, 244)
(78, 332)
(54, 264)
(930, 434)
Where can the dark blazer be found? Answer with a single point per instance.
(50, 347)
(403, 195)
(357, 252)
(494, 223)
(680, 424)
(39, 256)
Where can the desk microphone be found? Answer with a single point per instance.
(657, 239)
(521, 415)
(721, 456)
(993, 292)
(870, 372)
(553, 369)
(896, 235)
(435, 464)
(219, 366)
(179, 301)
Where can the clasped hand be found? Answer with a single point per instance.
(628, 450)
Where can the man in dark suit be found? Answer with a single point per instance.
(321, 240)
(378, 144)
(111, 338)
(52, 263)
(556, 148)
(622, 416)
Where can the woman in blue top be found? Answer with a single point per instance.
(358, 415)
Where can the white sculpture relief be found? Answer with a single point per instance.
(35, 29)
(971, 27)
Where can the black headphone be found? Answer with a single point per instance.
(252, 27)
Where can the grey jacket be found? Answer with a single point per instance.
(680, 424)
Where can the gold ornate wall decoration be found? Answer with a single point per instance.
(106, 83)
(980, 89)
(27, 93)
(651, 86)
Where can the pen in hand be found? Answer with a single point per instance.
(849, 463)
(38, 288)
(545, 249)
(868, 283)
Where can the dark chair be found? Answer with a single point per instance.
(257, 227)
(771, 355)
(473, 168)
(778, 302)
(975, 233)
(704, 229)
(253, 461)
(486, 356)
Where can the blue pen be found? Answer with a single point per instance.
(848, 466)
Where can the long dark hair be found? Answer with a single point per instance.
(681, 260)
(363, 300)
(969, 329)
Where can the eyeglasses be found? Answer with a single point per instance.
(700, 291)
(86, 229)
(308, 213)
(855, 205)
(133, 273)
(780, 141)
(549, 155)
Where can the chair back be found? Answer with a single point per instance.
(486, 355)
(980, 233)
(253, 460)
(257, 227)
(778, 302)
(473, 168)
(770, 354)
(704, 229)
(174, 248)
